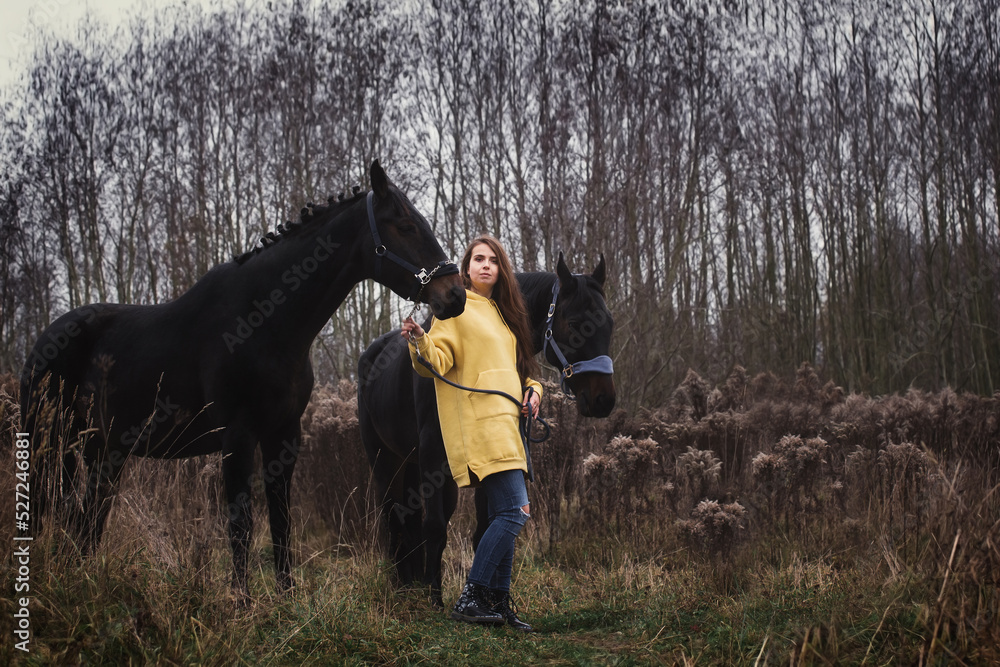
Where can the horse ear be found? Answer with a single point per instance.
(600, 273)
(380, 182)
(565, 275)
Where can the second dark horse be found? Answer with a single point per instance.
(402, 435)
(223, 367)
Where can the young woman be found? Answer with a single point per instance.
(486, 347)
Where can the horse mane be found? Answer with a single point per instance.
(536, 280)
(533, 282)
(594, 285)
(310, 215)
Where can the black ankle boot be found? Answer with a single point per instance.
(501, 603)
(472, 606)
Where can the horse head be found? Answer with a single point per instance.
(581, 327)
(408, 259)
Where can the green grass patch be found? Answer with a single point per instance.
(126, 606)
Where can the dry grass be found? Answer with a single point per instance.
(773, 522)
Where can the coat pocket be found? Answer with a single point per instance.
(487, 406)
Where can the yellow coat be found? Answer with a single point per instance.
(476, 349)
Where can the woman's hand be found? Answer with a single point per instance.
(530, 402)
(411, 330)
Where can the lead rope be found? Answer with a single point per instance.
(524, 425)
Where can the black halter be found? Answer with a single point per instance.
(601, 364)
(445, 267)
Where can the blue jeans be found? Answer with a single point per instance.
(494, 560)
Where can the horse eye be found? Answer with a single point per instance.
(408, 228)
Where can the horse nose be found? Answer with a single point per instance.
(456, 299)
(604, 404)
(598, 400)
(451, 303)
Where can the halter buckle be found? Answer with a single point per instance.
(568, 371)
(424, 276)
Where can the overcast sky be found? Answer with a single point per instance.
(17, 16)
(62, 16)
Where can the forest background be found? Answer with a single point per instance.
(771, 183)
(798, 204)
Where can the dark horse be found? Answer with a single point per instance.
(224, 367)
(402, 435)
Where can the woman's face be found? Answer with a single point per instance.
(484, 268)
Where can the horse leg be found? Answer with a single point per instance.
(404, 510)
(279, 457)
(54, 487)
(439, 505)
(237, 474)
(385, 467)
(438, 510)
(103, 471)
(388, 472)
(410, 554)
(51, 420)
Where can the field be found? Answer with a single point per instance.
(758, 521)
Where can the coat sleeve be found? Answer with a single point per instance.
(440, 347)
(534, 384)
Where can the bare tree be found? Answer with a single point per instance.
(770, 183)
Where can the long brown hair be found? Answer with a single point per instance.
(507, 296)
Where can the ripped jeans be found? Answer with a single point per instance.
(507, 495)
